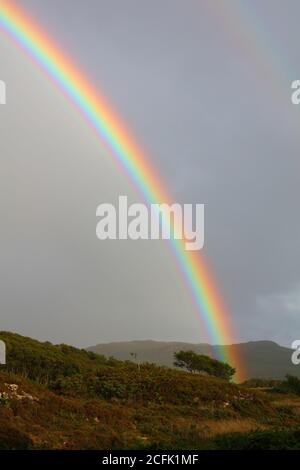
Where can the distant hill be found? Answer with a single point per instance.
(262, 359)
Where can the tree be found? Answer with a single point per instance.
(134, 356)
(200, 363)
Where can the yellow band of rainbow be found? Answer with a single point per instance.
(114, 135)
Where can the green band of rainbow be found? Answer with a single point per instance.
(118, 140)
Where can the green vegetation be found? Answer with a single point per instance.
(291, 384)
(203, 364)
(44, 362)
(261, 383)
(60, 397)
(282, 439)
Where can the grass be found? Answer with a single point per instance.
(59, 397)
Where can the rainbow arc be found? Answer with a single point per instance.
(114, 135)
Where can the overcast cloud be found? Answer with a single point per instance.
(208, 98)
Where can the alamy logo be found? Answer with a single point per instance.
(296, 353)
(2, 92)
(2, 352)
(159, 221)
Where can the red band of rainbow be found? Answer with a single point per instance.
(114, 135)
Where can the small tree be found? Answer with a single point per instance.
(200, 363)
(134, 356)
(186, 360)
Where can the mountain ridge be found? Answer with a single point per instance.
(262, 358)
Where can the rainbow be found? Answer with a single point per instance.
(240, 18)
(117, 139)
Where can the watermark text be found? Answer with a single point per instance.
(159, 221)
(2, 92)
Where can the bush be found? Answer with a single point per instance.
(13, 439)
(281, 439)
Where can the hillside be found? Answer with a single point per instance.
(262, 359)
(60, 397)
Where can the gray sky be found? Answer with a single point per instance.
(207, 94)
